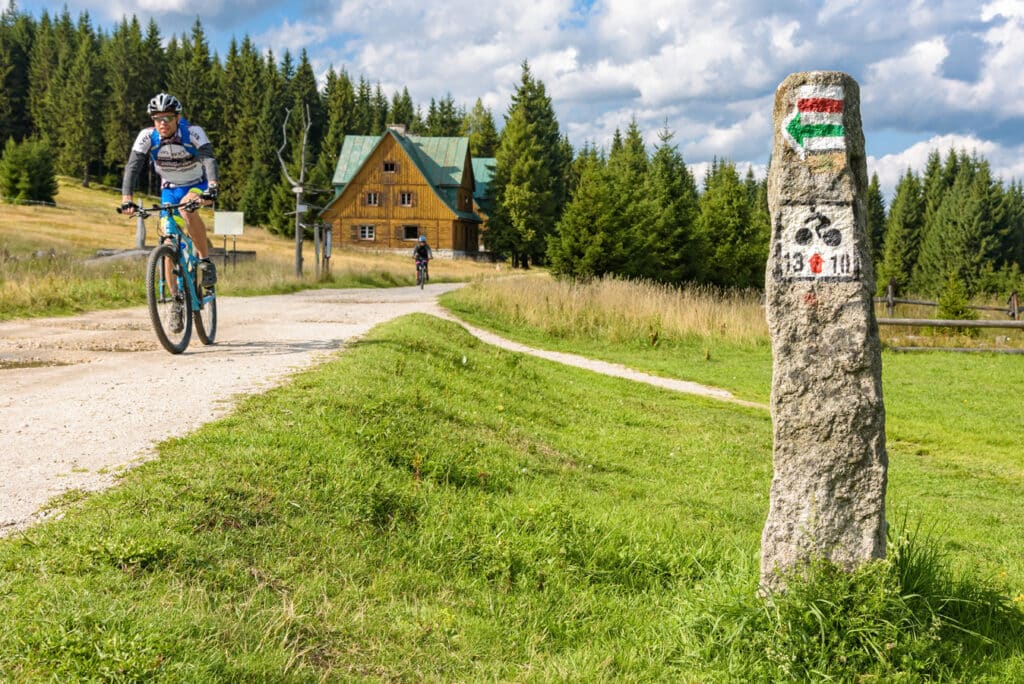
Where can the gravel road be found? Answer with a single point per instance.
(81, 397)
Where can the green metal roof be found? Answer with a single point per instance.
(483, 174)
(442, 160)
(354, 152)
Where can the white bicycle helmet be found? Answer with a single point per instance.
(163, 102)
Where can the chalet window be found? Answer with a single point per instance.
(373, 199)
(390, 167)
(406, 199)
(367, 232)
(410, 232)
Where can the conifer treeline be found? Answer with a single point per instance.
(953, 222)
(82, 93)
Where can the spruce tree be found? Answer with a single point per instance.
(403, 111)
(1012, 247)
(875, 221)
(380, 110)
(963, 238)
(734, 249)
(44, 75)
(80, 130)
(127, 93)
(444, 118)
(264, 174)
(479, 127)
(153, 62)
(6, 68)
(244, 77)
(672, 247)
(27, 172)
(530, 178)
(190, 79)
(587, 242)
(16, 37)
(362, 115)
(339, 97)
(902, 235)
(628, 167)
(522, 186)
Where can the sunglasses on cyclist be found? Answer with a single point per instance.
(165, 119)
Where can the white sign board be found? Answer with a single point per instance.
(228, 222)
(815, 242)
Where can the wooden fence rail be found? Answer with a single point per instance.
(1012, 309)
(942, 323)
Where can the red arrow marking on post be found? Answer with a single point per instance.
(816, 263)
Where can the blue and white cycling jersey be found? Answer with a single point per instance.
(183, 160)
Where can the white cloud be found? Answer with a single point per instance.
(1007, 162)
(1013, 9)
(292, 37)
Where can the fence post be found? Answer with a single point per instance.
(1014, 306)
(890, 297)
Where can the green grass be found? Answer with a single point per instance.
(425, 507)
(949, 417)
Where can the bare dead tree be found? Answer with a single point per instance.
(298, 186)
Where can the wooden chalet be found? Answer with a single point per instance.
(391, 189)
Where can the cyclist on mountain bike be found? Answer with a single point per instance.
(421, 252)
(183, 156)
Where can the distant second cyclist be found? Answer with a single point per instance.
(182, 155)
(422, 252)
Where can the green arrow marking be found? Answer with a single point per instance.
(801, 131)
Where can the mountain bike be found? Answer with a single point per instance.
(174, 286)
(421, 272)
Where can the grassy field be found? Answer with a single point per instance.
(427, 508)
(46, 266)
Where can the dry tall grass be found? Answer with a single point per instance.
(622, 310)
(45, 264)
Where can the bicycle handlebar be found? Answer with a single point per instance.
(188, 205)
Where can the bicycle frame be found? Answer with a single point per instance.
(170, 230)
(187, 260)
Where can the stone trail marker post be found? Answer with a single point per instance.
(828, 418)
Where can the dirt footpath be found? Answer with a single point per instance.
(83, 397)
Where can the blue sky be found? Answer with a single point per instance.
(932, 74)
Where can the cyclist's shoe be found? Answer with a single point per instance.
(178, 314)
(209, 273)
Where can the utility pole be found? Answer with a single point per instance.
(298, 186)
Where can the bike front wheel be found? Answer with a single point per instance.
(168, 306)
(206, 318)
(421, 277)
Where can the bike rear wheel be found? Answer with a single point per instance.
(206, 318)
(164, 306)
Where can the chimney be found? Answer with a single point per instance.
(397, 128)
